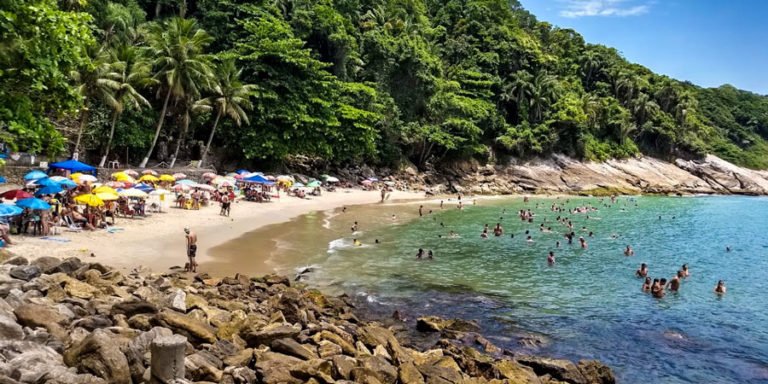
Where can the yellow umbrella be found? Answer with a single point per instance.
(75, 176)
(106, 196)
(105, 189)
(90, 200)
(122, 176)
(149, 178)
(167, 178)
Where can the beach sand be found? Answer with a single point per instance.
(158, 241)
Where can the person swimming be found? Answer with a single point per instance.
(583, 243)
(498, 231)
(674, 284)
(686, 273)
(658, 289)
(354, 227)
(529, 239)
(357, 242)
(642, 271)
(646, 285)
(484, 235)
(551, 258)
(557, 244)
(430, 255)
(420, 254)
(720, 287)
(629, 251)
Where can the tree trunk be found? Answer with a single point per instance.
(109, 141)
(83, 123)
(210, 139)
(182, 137)
(157, 130)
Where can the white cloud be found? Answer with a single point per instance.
(582, 8)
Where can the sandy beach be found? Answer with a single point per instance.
(158, 242)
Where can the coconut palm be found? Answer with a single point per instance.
(96, 81)
(181, 67)
(230, 99)
(133, 74)
(543, 92)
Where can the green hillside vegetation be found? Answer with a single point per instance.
(348, 81)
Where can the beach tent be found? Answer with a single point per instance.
(242, 171)
(73, 166)
(257, 179)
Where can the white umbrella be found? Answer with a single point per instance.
(331, 179)
(132, 192)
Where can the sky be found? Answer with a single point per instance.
(707, 42)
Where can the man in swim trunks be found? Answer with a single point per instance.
(498, 231)
(191, 250)
(674, 284)
(720, 288)
(642, 271)
(657, 290)
(224, 205)
(629, 251)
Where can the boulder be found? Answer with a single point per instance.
(276, 279)
(141, 321)
(515, 372)
(99, 354)
(435, 374)
(384, 371)
(130, 308)
(203, 365)
(437, 324)
(562, 370)
(409, 374)
(187, 326)
(255, 336)
(271, 368)
(93, 322)
(326, 349)
(176, 300)
(9, 330)
(35, 315)
(365, 376)
(346, 346)
(240, 359)
(27, 361)
(25, 272)
(292, 348)
(47, 264)
(343, 366)
(596, 372)
(68, 265)
(17, 260)
(313, 369)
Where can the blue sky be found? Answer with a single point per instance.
(708, 42)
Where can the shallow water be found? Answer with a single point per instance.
(589, 305)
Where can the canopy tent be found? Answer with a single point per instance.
(73, 166)
(257, 179)
(242, 171)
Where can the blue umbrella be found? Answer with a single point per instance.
(46, 182)
(48, 190)
(242, 171)
(34, 175)
(7, 210)
(144, 188)
(2, 180)
(33, 203)
(67, 183)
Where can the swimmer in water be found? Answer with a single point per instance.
(551, 258)
(420, 254)
(629, 251)
(728, 248)
(686, 273)
(430, 255)
(354, 227)
(484, 235)
(557, 244)
(642, 271)
(498, 231)
(441, 204)
(646, 285)
(376, 241)
(394, 217)
(720, 287)
(674, 284)
(529, 239)
(583, 243)
(357, 242)
(658, 291)
(421, 208)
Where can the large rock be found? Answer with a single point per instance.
(316, 369)
(130, 308)
(293, 348)
(256, 336)
(176, 299)
(326, 349)
(203, 365)
(437, 324)
(35, 315)
(47, 264)
(385, 372)
(435, 374)
(68, 265)
(596, 372)
(343, 366)
(272, 368)
(562, 370)
(25, 272)
(515, 372)
(187, 326)
(17, 260)
(346, 346)
(99, 354)
(27, 361)
(9, 330)
(409, 374)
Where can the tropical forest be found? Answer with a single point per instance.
(379, 82)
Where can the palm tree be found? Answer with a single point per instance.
(643, 108)
(543, 93)
(133, 73)
(96, 81)
(231, 99)
(175, 50)
(518, 90)
(590, 66)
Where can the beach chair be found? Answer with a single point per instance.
(71, 226)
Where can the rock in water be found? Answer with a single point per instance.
(100, 355)
(562, 370)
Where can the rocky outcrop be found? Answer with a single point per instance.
(76, 322)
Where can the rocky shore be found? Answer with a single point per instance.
(561, 174)
(69, 321)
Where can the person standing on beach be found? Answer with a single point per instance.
(191, 250)
(421, 210)
(383, 193)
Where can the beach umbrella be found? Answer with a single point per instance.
(389, 183)
(124, 177)
(285, 178)
(116, 184)
(149, 172)
(89, 199)
(133, 192)
(180, 188)
(46, 182)
(239, 177)
(2, 180)
(144, 188)
(186, 182)
(204, 187)
(226, 183)
(105, 189)
(313, 184)
(49, 190)
(366, 182)
(81, 178)
(150, 178)
(17, 194)
(8, 210)
(106, 196)
(75, 175)
(179, 176)
(34, 175)
(167, 178)
(33, 203)
(131, 173)
(68, 184)
(299, 185)
(159, 192)
(58, 179)
(331, 179)
(209, 175)
(242, 171)
(372, 179)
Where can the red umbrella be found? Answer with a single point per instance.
(17, 194)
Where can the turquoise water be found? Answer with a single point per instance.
(588, 305)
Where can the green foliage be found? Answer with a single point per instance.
(349, 81)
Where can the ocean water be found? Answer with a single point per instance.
(589, 305)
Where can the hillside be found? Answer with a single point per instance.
(346, 81)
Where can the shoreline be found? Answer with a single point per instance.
(157, 242)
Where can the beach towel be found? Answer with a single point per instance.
(56, 239)
(115, 229)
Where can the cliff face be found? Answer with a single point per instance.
(561, 174)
